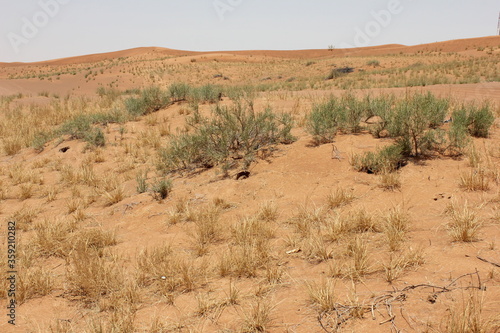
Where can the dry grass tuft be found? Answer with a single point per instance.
(24, 216)
(268, 212)
(358, 251)
(258, 318)
(467, 316)
(169, 272)
(322, 295)
(90, 276)
(475, 180)
(390, 181)
(207, 229)
(33, 282)
(51, 237)
(114, 196)
(464, 225)
(339, 198)
(399, 263)
(395, 227)
(360, 221)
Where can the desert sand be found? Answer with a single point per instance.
(86, 238)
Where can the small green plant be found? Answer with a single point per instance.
(151, 100)
(142, 185)
(179, 91)
(161, 189)
(387, 159)
(324, 120)
(480, 119)
(373, 63)
(95, 137)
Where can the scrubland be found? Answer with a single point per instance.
(254, 193)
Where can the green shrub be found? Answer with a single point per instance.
(412, 119)
(387, 159)
(374, 63)
(233, 135)
(354, 111)
(480, 119)
(324, 120)
(95, 137)
(76, 128)
(458, 137)
(151, 100)
(382, 107)
(142, 185)
(161, 189)
(179, 91)
(208, 93)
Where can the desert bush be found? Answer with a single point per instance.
(480, 119)
(373, 63)
(161, 188)
(151, 100)
(458, 137)
(385, 160)
(355, 109)
(179, 91)
(324, 120)
(415, 121)
(231, 136)
(95, 137)
(207, 93)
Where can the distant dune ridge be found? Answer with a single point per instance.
(457, 45)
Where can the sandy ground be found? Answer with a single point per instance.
(297, 175)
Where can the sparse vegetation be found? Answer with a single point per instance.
(305, 228)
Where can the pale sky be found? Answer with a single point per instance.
(34, 30)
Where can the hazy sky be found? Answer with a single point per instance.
(33, 30)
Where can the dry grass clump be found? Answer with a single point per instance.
(268, 212)
(399, 263)
(25, 191)
(395, 227)
(251, 230)
(339, 198)
(322, 295)
(360, 221)
(33, 282)
(24, 217)
(244, 260)
(474, 180)
(51, 236)
(390, 181)
(464, 225)
(169, 272)
(258, 318)
(315, 248)
(207, 229)
(359, 266)
(94, 238)
(467, 316)
(91, 276)
(308, 219)
(114, 196)
(181, 213)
